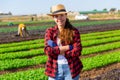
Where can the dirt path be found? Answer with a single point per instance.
(110, 72)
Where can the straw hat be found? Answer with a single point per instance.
(57, 9)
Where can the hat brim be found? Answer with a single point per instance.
(57, 13)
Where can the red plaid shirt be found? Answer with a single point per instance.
(53, 52)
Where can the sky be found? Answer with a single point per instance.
(24, 7)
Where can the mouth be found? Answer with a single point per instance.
(60, 21)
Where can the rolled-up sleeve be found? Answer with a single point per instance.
(77, 46)
(50, 51)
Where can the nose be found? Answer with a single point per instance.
(59, 17)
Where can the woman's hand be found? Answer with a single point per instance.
(65, 48)
(51, 43)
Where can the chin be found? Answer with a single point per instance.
(61, 24)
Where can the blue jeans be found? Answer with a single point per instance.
(63, 73)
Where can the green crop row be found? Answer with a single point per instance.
(41, 41)
(22, 43)
(18, 63)
(100, 35)
(100, 41)
(83, 38)
(34, 74)
(100, 48)
(21, 54)
(101, 60)
(45, 22)
(88, 63)
(84, 44)
(21, 48)
(92, 23)
(89, 42)
(89, 50)
(85, 51)
(13, 29)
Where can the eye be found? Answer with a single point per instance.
(61, 15)
(55, 16)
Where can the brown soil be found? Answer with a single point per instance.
(110, 72)
(37, 34)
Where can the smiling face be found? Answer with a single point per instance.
(60, 19)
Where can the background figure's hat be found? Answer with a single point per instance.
(57, 9)
(21, 25)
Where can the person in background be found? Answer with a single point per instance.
(22, 31)
(63, 47)
(32, 18)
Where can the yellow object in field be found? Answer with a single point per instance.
(22, 30)
(21, 25)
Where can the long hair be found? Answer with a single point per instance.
(66, 35)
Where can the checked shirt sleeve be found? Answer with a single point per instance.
(77, 47)
(50, 51)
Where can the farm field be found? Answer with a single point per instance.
(24, 59)
(37, 30)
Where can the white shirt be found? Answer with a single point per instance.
(61, 58)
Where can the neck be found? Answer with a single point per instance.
(60, 28)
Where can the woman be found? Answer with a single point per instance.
(63, 47)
